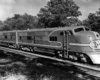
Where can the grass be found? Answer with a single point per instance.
(38, 71)
(12, 76)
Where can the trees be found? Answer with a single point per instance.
(20, 22)
(1, 24)
(93, 21)
(58, 13)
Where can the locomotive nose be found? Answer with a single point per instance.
(89, 39)
(95, 41)
(85, 37)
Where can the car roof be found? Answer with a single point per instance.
(47, 29)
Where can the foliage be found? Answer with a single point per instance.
(58, 13)
(1, 24)
(93, 21)
(20, 22)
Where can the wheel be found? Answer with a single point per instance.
(73, 56)
(31, 49)
(83, 58)
(89, 61)
(56, 54)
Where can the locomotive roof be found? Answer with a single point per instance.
(47, 29)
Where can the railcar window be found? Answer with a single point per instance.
(29, 38)
(79, 29)
(87, 29)
(70, 32)
(20, 37)
(5, 37)
(53, 38)
(61, 33)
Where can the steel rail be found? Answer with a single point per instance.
(91, 70)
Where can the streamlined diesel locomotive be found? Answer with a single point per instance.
(76, 43)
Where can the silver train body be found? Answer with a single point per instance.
(76, 43)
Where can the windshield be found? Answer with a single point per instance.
(87, 29)
(78, 29)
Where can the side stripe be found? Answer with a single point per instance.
(78, 44)
(40, 45)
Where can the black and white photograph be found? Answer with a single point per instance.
(49, 39)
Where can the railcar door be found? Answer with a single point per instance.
(65, 44)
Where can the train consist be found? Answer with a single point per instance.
(76, 43)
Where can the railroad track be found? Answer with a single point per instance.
(75, 70)
(85, 68)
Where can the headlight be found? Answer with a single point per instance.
(93, 45)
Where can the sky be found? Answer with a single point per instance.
(87, 6)
(10, 7)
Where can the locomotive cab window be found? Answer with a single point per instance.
(69, 32)
(78, 29)
(61, 33)
(87, 29)
(53, 38)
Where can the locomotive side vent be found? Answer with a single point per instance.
(53, 38)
